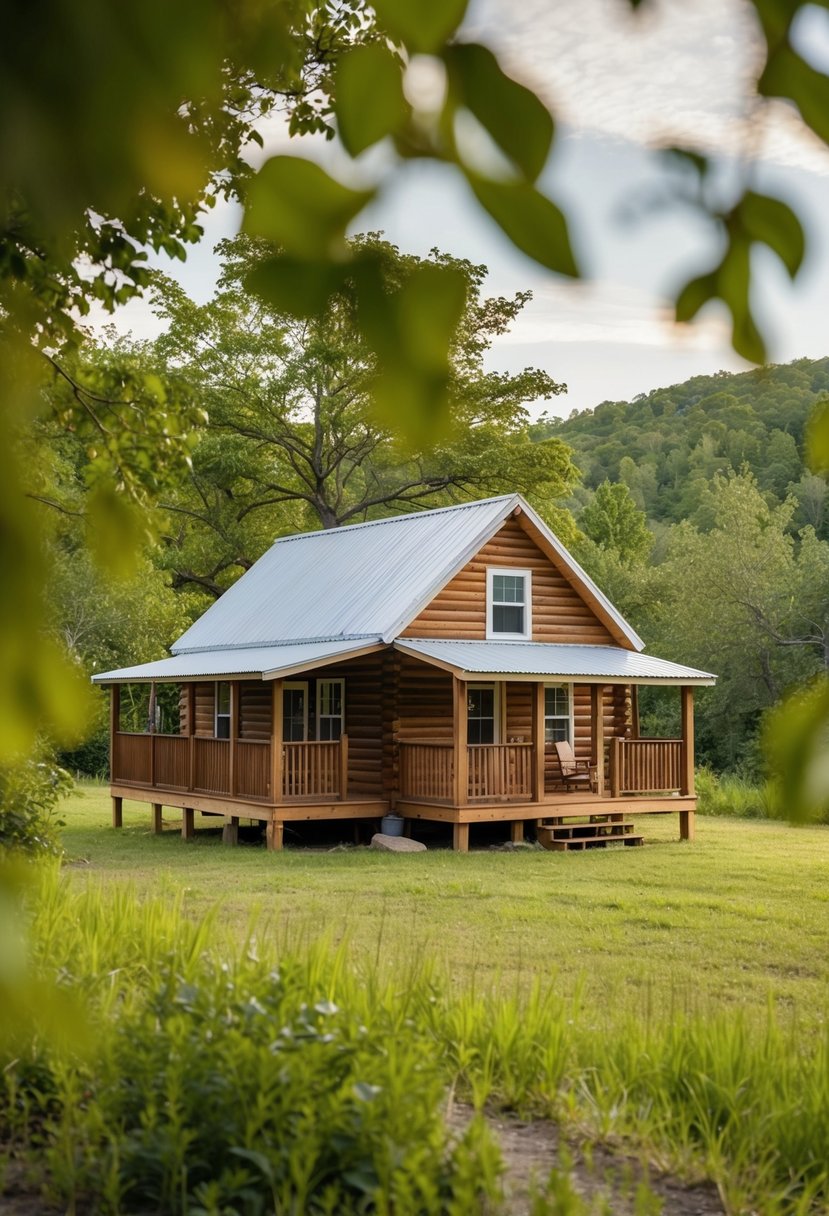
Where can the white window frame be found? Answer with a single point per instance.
(216, 714)
(341, 683)
(496, 710)
(497, 635)
(303, 686)
(559, 717)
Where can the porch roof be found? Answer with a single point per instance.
(528, 660)
(263, 662)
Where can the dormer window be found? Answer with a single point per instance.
(509, 604)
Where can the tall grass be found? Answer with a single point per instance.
(220, 1081)
(733, 795)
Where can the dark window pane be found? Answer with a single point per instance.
(293, 715)
(330, 729)
(507, 619)
(222, 727)
(556, 730)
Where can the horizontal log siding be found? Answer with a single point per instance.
(424, 700)
(559, 612)
(255, 700)
(205, 699)
(518, 714)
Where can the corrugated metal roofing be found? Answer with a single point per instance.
(264, 661)
(586, 663)
(360, 579)
(370, 578)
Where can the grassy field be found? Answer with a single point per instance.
(737, 920)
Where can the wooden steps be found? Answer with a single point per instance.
(598, 833)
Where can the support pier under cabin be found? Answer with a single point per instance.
(454, 665)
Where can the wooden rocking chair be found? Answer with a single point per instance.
(575, 774)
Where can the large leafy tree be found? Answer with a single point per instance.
(748, 600)
(294, 439)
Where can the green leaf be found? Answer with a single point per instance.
(424, 25)
(817, 439)
(369, 97)
(788, 75)
(297, 205)
(729, 282)
(773, 222)
(412, 330)
(115, 530)
(693, 295)
(534, 224)
(797, 747)
(299, 288)
(520, 124)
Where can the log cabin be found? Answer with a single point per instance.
(424, 664)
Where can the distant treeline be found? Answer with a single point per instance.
(667, 445)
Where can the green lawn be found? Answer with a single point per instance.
(740, 918)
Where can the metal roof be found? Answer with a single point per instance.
(363, 579)
(267, 662)
(588, 664)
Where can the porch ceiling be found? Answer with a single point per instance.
(529, 660)
(261, 662)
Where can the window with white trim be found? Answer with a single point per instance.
(508, 604)
(558, 713)
(330, 709)
(221, 728)
(482, 713)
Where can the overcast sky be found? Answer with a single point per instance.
(618, 83)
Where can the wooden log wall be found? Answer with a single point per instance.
(559, 613)
(205, 700)
(424, 701)
(364, 711)
(255, 710)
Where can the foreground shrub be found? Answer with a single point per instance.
(29, 793)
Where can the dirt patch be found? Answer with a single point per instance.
(605, 1181)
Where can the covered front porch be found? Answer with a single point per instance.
(520, 781)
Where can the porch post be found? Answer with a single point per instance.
(234, 735)
(686, 764)
(158, 824)
(460, 738)
(597, 734)
(343, 768)
(634, 711)
(191, 732)
(114, 724)
(276, 742)
(538, 742)
(151, 727)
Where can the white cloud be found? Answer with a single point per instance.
(672, 72)
(607, 312)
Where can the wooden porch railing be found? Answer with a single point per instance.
(497, 771)
(197, 764)
(427, 770)
(645, 766)
(500, 771)
(317, 769)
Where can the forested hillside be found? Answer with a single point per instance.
(666, 445)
